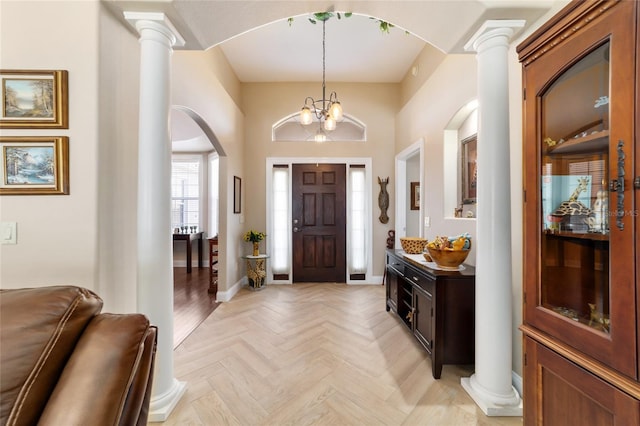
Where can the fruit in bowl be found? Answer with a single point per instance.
(413, 245)
(449, 252)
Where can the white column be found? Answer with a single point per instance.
(155, 258)
(490, 386)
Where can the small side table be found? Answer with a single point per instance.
(256, 270)
(188, 238)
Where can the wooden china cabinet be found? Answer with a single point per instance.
(581, 296)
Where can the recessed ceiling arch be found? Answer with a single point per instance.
(188, 135)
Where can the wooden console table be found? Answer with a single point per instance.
(438, 307)
(188, 238)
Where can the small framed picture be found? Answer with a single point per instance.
(36, 165)
(34, 99)
(415, 196)
(237, 194)
(469, 160)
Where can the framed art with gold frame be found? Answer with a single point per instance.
(34, 165)
(34, 99)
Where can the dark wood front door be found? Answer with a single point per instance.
(319, 222)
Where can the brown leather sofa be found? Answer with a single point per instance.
(64, 363)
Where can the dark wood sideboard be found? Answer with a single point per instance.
(437, 306)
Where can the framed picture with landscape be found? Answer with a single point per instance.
(34, 99)
(37, 165)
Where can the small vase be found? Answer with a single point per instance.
(256, 248)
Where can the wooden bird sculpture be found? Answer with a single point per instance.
(383, 200)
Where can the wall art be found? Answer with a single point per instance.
(34, 99)
(37, 165)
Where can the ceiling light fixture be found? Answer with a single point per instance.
(327, 111)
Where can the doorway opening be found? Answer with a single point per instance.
(410, 169)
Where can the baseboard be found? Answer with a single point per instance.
(227, 295)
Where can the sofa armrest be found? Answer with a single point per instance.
(102, 373)
(39, 328)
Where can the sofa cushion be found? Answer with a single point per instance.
(39, 331)
(102, 375)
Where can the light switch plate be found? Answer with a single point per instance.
(8, 232)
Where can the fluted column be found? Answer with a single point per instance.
(490, 386)
(155, 258)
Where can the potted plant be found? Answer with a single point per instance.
(255, 237)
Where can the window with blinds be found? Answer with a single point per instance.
(185, 192)
(595, 169)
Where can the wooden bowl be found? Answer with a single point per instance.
(448, 259)
(413, 245)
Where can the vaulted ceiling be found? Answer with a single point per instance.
(261, 45)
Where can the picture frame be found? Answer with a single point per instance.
(34, 165)
(34, 99)
(415, 196)
(237, 194)
(469, 169)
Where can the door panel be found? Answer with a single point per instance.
(319, 221)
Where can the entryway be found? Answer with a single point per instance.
(319, 220)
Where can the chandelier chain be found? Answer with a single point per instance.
(324, 23)
(327, 110)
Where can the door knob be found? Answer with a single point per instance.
(295, 229)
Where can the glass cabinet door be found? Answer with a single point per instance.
(574, 193)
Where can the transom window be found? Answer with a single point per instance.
(289, 129)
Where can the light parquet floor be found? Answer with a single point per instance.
(315, 354)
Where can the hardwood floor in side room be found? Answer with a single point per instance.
(315, 354)
(191, 301)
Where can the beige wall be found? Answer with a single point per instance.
(195, 84)
(452, 85)
(57, 234)
(117, 171)
(373, 104)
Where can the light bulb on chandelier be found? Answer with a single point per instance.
(327, 111)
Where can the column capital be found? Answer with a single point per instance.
(500, 29)
(156, 21)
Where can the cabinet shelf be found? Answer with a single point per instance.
(579, 236)
(597, 141)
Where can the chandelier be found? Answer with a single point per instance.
(327, 111)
